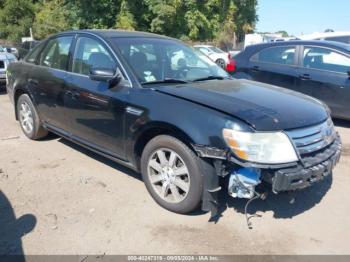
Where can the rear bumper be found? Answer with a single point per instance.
(303, 175)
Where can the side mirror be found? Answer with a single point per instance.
(105, 75)
(101, 74)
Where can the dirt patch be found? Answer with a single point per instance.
(89, 206)
(49, 166)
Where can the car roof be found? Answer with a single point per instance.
(112, 33)
(324, 35)
(324, 43)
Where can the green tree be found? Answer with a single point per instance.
(51, 17)
(189, 20)
(284, 33)
(163, 16)
(125, 19)
(245, 17)
(94, 14)
(16, 17)
(226, 35)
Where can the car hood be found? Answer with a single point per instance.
(264, 107)
(6, 56)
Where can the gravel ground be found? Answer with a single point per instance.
(57, 198)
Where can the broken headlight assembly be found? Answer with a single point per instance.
(256, 147)
(260, 147)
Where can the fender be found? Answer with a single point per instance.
(17, 85)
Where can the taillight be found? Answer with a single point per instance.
(231, 66)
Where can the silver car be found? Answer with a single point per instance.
(5, 59)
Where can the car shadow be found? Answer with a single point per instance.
(12, 230)
(101, 159)
(283, 205)
(341, 123)
(280, 204)
(50, 136)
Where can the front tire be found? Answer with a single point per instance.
(29, 118)
(172, 174)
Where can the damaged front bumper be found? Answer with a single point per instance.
(307, 172)
(310, 169)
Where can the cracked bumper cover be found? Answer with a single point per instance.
(284, 177)
(310, 170)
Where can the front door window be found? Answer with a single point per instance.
(89, 54)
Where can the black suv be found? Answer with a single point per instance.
(159, 107)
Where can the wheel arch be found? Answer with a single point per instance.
(17, 93)
(155, 129)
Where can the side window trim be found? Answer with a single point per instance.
(295, 62)
(40, 46)
(71, 53)
(301, 65)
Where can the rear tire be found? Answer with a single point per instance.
(29, 118)
(172, 174)
(221, 62)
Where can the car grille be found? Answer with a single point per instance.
(311, 140)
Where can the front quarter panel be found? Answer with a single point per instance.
(198, 124)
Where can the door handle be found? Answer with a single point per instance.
(305, 77)
(255, 68)
(73, 95)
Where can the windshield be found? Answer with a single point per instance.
(2, 49)
(154, 59)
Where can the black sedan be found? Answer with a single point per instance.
(317, 68)
(156, 105)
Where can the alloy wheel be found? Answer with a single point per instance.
(169, 175)
(26, 118)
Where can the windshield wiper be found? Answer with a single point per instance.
(165, 80)
(209, 78)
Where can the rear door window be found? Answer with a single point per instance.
(56, 53)
(283, 55)
(325, 59)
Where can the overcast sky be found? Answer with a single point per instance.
(303, 16)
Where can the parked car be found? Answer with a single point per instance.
(12, 50)
(185, 124)
(221, 58)
(5, 59)
(342, 37)
(317, 68)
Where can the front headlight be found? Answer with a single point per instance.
(261, 147)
